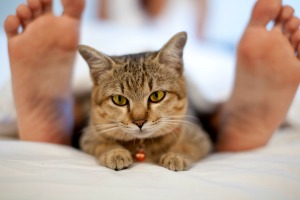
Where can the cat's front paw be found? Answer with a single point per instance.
(174, 162)
(116, 159)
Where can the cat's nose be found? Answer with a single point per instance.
(140, 122)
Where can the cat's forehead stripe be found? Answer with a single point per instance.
(122, 87)
(150, 83)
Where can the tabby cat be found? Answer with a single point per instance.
(138, 111)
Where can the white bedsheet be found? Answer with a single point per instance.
(44, 171)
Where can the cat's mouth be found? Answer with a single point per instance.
(148, 130)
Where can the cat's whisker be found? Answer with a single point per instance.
(177, 120)
(185, 123)
(103, 125)
(188, 125)
(124, 132)
(108, 130)
(188, 118)
(97, 132)
(182, 123)
(184, 116)
(91, 130)
(167, 128)
(98, 128)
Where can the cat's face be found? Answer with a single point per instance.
(138, 96)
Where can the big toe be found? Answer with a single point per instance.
(265, 11)
(73, 8)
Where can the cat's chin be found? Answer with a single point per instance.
(142, 134)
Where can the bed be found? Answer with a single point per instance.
(43, 171)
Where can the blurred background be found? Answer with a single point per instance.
(129, 26)
(215, 22)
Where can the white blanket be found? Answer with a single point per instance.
(44, 171)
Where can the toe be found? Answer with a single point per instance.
(47, 6)
(36, 7)
(265, 11)
(295, 40)
(286, 13)
(298, 54)
(24, 14)
(73, 8)
(292, 25)
(11, 26)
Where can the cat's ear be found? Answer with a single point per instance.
(172, 52)
(98, 62)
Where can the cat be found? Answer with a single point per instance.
(138, 111)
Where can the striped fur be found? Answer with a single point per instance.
(167, 135)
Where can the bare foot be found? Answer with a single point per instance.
(267, 77)
(41, 60)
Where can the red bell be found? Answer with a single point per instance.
(140, 156)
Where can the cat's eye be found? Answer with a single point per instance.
(119, 100)
(157, 96)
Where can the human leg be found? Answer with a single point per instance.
(41, 61)
(267, 78)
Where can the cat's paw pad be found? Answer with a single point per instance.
(116, 159)
(174, 162)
